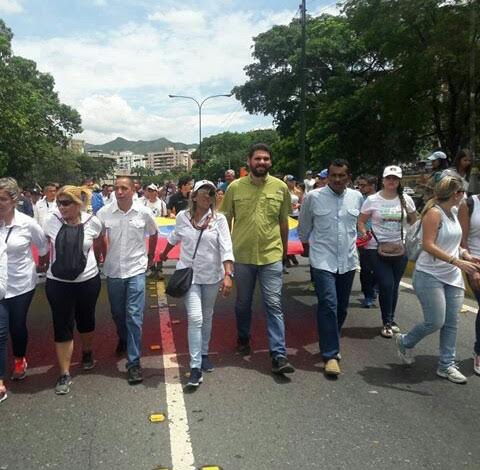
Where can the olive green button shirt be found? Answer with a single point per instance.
(256, 211)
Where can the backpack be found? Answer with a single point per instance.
(70, 260)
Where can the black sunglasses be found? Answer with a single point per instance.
(64, 202)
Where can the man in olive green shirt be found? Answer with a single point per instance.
(258, 205)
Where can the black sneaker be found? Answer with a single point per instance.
(88, 363)
(196, 377)
(207, 365)
(62, 387)
(243, 347)
(121, 347)
(280, 365)
(134, 374)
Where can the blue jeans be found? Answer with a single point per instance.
(333, 293)
(388, 275)
(199, 302)
(270, 279)
(440, 304)
(127, 301)
(367, 275)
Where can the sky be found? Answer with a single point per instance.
(116, 61)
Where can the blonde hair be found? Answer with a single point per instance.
(78, 194)
(444, 190)
(192, 205)
(10, 185)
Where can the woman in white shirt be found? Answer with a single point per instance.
(212, 269)
(388, 209)
(19, 232)
(73, 280)
(469, 217)
(437, 278)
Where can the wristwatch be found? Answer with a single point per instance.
(229, 274)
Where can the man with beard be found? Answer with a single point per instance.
(259, 205)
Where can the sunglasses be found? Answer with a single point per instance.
(64, 202)
(210, 192)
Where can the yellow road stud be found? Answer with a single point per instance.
(157, 418)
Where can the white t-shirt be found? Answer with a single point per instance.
(42, 209)
(92, 230)
(22, 272)
(309, 184)
(158, 207)
(385, 217)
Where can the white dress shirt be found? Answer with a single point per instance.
(92, 229)
(214, 248)
(22, 272)
(329, 222)
(126, 232)
(3, 269)
(42, 209)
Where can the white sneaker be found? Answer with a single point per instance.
(476, 363)
(453, 374)
(395, 328)
(405, 354)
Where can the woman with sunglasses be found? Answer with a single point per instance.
(212, 269)
(19, 232)
(438, 280)
(73, 293)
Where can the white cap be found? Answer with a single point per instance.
(152, 186)
(437, 156)
(201, 183)
(392, 170)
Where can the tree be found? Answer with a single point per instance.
(383, 81)
(33, 121)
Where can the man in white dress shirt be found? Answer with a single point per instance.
(46, 205)
(126, 223)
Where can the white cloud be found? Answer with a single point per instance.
(180, 51)
(107, 117)
(11, 6)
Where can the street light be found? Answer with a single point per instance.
(200, 115)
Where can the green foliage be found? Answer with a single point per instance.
(229, 150)
(33, 120)
(384, 80)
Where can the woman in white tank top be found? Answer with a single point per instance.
(438, 280)
(469, 216)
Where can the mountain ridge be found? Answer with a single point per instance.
(138, 146)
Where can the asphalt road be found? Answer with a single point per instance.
(378, 414)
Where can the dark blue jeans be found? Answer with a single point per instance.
(367, 275)
(333, 294)
(13, 316)
(388, 275)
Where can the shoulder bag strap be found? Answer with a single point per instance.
(8, 234)
(198, 243)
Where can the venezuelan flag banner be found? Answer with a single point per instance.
(166, 225)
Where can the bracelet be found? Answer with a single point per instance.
(451, 259)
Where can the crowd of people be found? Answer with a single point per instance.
(236, 233)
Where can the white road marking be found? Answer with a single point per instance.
(180, 441)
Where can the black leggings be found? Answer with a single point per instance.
(72, 302)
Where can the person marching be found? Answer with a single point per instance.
(126, 223)
(19, 232)
(207, 248)
(73, 280)
(438, 280)
(388, 209)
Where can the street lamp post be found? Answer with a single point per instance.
(200, 104)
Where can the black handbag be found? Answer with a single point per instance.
(181, 281)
